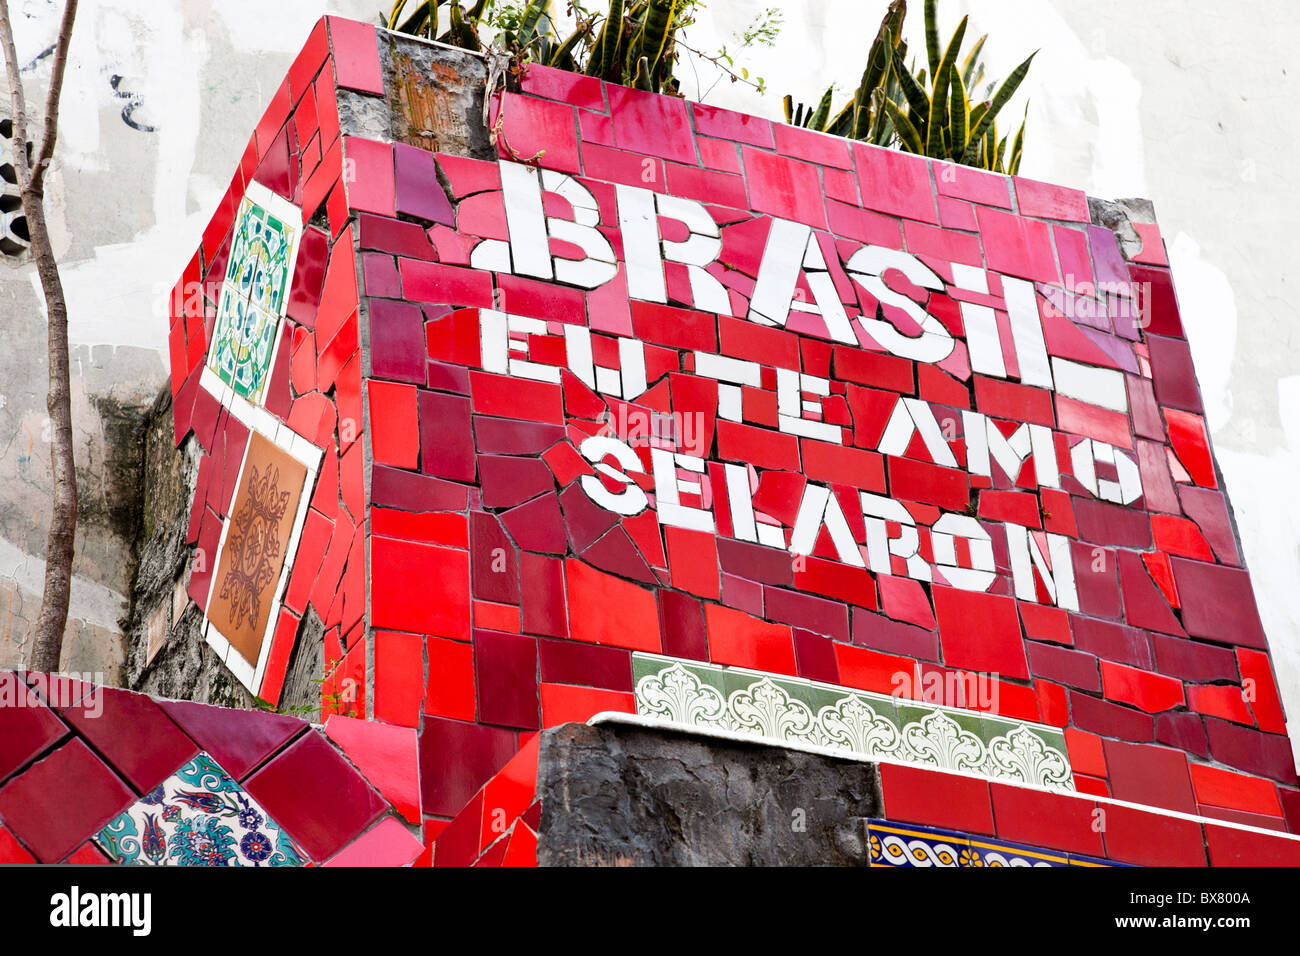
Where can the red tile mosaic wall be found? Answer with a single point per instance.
(669, 379)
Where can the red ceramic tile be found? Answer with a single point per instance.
(1156, 776)
(1047, 820)
(394, 424)
(1191, 444)
(1173, 374)
(741, 640)
(873, 671)
(1152, 839)
(62, 799)
(324, 827)
(564, 703)
(506, 667)
(1144, 690)
(932, 798)
(401, 568)
(1115, 720)
(1229, 846)
(1220, 700)
(586, 92)
(445, 285)
(134, 734)
(458, 844)
(11, 851)
(828, 618)
(369, 176)
(456, 759)
(565, 662)
(1261, 690)
(1194, 661)
(399, 678)
(980, 632)
(975, 185)
(1158, 301)
(535, 130)
(1218, 602)
(683, 629)
(27, 726)
(1076, 668)
(820, 148)
(387, 756)
(1223, 788)
(418, 192)
(728, 124)
(542, 595)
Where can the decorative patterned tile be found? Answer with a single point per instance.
(868, 724)
(925, 847)
(199, 816)
(255, 294)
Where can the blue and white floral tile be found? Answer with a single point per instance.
(199, 816)
(906, 845)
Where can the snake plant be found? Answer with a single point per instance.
(632, 44)
(895, 105)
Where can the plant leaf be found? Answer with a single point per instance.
(932, 35)
(822, 114)
(972, 62)
(938, 122)
(1004, 93)
(958, 115)
(907, 132)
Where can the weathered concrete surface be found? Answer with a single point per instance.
(616, 795)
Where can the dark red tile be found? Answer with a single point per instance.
(456, 759)
(1156, 776)
(134, 734)
(1268, 755)
(238, 740)
(27, 726)
(1218, 603)
(567, 662)
(316, 796)
(506, 667)
(62, 800)
(541, 586)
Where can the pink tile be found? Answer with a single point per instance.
(388, 843)
(1017, 246)
(895, 182)
(785, 187)
(1046, 201)
(388, 756)
(356, 55)
(652, 124)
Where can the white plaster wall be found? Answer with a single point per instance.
(1189, 103)
(1181, 101)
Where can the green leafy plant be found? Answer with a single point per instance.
(634, 42)
(936, 113)
(865, 116)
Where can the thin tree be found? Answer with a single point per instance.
(59, 549)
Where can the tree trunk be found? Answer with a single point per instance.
(60, 546)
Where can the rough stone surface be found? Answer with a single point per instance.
(627, 796)
(435, 98)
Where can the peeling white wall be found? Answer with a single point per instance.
(159, 101)
(1189, 103)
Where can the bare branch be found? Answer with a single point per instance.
(16, 96)
(48, 138)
